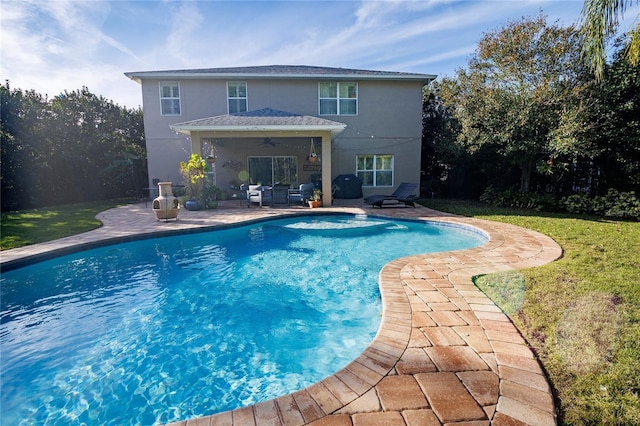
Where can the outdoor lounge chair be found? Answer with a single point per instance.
(403, 194)
(259, 194)
(301, 194)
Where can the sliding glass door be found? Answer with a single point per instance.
(273, 170)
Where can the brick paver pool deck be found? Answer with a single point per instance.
(444, 353)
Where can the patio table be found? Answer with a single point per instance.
(280, 194)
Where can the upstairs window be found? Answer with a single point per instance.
(375, 170)
(170, 98)
(237, 97)
(338, 98)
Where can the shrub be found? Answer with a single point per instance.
(210, 195)
(616, 204)
(622, 204)
(577, 203)
(514, 198)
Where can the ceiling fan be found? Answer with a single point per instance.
(269, 142)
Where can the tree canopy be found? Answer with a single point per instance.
(527, 113)
(515, 91)
(74, 147)
(599, 20)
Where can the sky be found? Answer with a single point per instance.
(55, 45)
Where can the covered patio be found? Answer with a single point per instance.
(235, 143)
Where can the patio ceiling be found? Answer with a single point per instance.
(262, 120)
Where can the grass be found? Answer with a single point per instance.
(580, 314)
(18, 229)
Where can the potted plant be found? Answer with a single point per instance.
(210, 195)
(312, 157)
(193, 172)
(211, 158)
(316, 199)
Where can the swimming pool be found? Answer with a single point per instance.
(170, 328)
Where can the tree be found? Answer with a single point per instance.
(194, 173)
(448, 169)
(93, 143)
(515, 91)
(23, 119)
(438, 148)
(599, 20)
(604, 130)
(126, 163)
(74, 147)
(619, 132)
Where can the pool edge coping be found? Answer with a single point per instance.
(334, 395)
(316, 403)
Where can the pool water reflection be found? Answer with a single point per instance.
(170, 328)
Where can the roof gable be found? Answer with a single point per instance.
(259, 120)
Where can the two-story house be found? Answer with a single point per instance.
(285, 124)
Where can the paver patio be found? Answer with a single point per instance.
(444, 353)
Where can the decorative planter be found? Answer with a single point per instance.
(313, 155)
(314, 204)
(192, 205)
(165, 206)
(211, 159)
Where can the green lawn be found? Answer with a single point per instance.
(26, 227)
(581, 314)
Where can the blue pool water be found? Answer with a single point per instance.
(171, 328)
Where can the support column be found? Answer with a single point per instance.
(196, 144)
(326, 169)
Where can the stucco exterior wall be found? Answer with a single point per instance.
(388, 122)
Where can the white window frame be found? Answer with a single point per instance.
(338, 98)
(163, 84)
(236, 98)
(375, 170)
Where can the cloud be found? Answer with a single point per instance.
(55, 46)
(185, 32)
(462, 53)
(51, 46)
(379, 32)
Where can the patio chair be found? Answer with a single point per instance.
(403, 194)
(301, 194)
(259, 194)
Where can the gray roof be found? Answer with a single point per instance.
(281, 71)
(259, 120)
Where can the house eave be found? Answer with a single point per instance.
(188, 129)
(160, 75)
